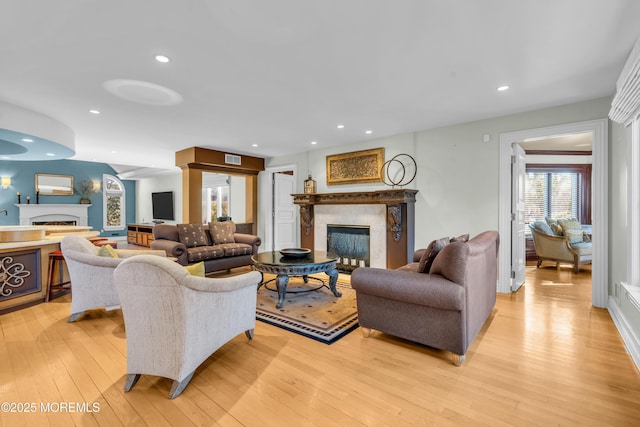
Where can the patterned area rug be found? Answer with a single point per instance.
(316, 314)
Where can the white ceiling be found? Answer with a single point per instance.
(283, 73)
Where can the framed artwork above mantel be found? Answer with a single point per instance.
(355, 167)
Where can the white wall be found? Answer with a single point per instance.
(457, 174)
(144, 188)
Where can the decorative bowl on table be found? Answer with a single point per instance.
(295, 252)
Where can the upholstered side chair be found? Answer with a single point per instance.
(92, 275)
(174, 321)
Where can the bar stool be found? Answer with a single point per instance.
(55, 260)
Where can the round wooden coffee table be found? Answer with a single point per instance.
(283, 267)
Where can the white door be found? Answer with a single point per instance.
(518, 227)
(284, 212)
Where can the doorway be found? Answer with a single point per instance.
(599, 131)
(280, 216)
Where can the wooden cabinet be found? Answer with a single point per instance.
(140, 234)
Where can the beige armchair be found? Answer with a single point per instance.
(175, 321)
(550, 247)
(92, 275)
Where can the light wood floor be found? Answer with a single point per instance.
(545, 357)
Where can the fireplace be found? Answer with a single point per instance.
(388, 213)
(350, 243)
(53, 214)
(53, 222)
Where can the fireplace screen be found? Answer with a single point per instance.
(350, 243)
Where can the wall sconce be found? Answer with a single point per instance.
(6, 182)
(96, 186)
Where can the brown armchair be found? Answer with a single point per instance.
(445, 308)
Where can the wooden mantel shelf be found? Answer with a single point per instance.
(386, 197)
(400, 217)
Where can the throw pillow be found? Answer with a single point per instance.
(574, 236)
(108, 251)
(222, 232)
(545, 228)
(426, 261)
(196, 269)
(569, 224)
(556, 228)
(192, 235)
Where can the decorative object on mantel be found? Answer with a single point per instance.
(86, 188)
(355, 167)
(309, 185)
(395, 171)
(19, 198)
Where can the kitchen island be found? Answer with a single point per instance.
(24, 258)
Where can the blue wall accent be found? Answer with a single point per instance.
(22, 176)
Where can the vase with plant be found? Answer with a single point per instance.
(86, 189)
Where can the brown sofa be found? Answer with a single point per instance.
(216, 256)
(445, 308)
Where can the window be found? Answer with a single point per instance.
(219, 202)
(558, 192)
(113, 198)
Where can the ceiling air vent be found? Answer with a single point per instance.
(232, 159)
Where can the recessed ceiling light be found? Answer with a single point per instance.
(50, 154)
(314, 142)
(254, 145)
(340, 126)
(114, 152)
(503, 88)
(162, 58)
(27, 139)
(94, 111)
(368, 132)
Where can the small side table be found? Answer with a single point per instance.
(55, 260)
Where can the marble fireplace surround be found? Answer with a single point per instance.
(388, 213)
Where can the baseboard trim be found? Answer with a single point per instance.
(631, 341)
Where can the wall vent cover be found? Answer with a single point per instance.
(232, 159)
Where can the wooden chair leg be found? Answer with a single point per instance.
(178, 387)
(131, 380)
(249, 333)
(365, 331)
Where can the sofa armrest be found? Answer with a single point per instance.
(430, 290)
(249, 239)
(227, 284)
(172, 249)
(417, 255)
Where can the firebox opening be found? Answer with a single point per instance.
(350, 243)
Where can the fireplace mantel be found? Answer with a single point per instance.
(387, 197)
(400, 208)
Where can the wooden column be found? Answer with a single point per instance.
(194, 160)
(191, 196)
(251, 202)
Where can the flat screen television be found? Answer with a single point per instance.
(162, 203)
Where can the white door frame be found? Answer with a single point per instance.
(268, 226)
(599, 202)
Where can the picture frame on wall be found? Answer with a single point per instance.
(355, 167)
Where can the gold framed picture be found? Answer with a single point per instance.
(355, 167)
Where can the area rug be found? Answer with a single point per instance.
(316, 314)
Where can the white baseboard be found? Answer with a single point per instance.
(630, 339)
